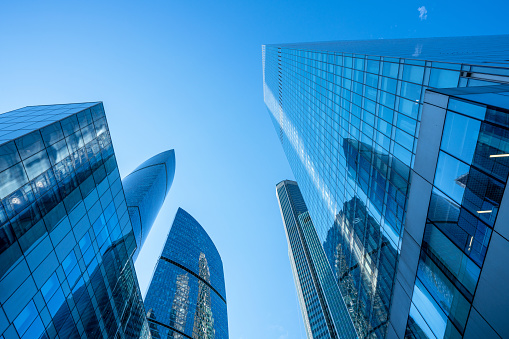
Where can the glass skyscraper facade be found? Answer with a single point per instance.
(145, 191)
(405, 184)
(66, 240)
(186, 297)
(324, 313)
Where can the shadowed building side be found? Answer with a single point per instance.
(145, 190)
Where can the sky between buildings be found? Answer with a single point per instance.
(188, 75)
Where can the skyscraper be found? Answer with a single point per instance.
(145, 190)
(65, 233)
(186, 297)
(324, 313)
(404, 179)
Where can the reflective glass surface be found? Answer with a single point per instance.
(186, 297)
(65, 234)
(325, 316)
(348, 115)
(468, 187)
(145, 189)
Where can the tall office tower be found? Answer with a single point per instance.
(145, 190)
(186, 297)
(404, 179)
(65, 236)
(324, 313)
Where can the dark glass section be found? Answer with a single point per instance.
(145, 190)
(186, 297)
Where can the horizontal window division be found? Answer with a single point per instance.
(194, 274)
(168, 327)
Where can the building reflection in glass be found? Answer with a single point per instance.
(186, 297)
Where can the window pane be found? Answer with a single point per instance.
(441, 78)
(413, 73)
(451, 176)
(11, 179)
(460, 130)
(8, 155)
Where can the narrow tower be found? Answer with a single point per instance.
(325, 316)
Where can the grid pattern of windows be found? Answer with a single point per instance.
(348, 119)
(186, 297)
(467, 192)
(323, 317)
(65, 234)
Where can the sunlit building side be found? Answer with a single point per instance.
(399, 149)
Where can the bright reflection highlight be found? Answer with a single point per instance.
(488, 211)
(499, 155)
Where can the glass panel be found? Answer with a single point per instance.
(25, 318)
(58, 151)
(8, 155)
(444, 292)
(407, 124)
(50, 287)
(417, 326)
(373, 66)
(441, 78)
(492, 142)
(411, 91)
(460, 130)
(413, 73)
(474, 111)
(390, 69)
(464, 269)
(451, 176)
(52, 133)
(37, 164)
(70, 125)
(410, 108)
(428, 308)
(29, 144)
(389, 85)
(11, 179)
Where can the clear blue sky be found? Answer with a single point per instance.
(187, 75)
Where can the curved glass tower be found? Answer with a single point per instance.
(145, 190)
(187, 297)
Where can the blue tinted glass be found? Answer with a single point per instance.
(35, 330)
(29, 144)
(25, 318)
(475, 111)
(56, 302)
(460, 130)
(69, 262)
(413, 73)
(442, 78)
(8, 155)
(429, 309)
(49, 288)
(451, 176)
